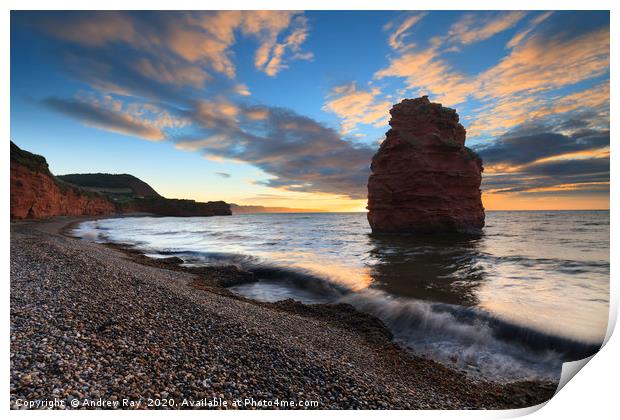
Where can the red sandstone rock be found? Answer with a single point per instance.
(35, 193)
(423, 178)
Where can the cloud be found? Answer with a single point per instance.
(538, 64)
(256, 113)
(172, 84)
(223, 174)
(165, 71)
(472, 28)
(92, 30)
(584, 177)
(298, 152)
(528, 145)
(545, 63)
(242, 90)
(397, 38)
(522, 86)
(138, 120)
(506, 112)
(536, 159)
(267, 27)
(196, 144)
(218, 113)
(203, 39)
(534, 22)
(273, 65)
(425, 72)
(356, 106)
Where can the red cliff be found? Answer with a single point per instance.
(36, 193)
(423, 178)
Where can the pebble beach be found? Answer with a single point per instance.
(95, 326)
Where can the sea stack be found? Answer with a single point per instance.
(423, 179)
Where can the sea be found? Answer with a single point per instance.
(512, 304)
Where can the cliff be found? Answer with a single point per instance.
(175, 207)
(423, 178)
(36, 193)
(111, 184)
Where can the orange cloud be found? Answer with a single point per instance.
(171, 72)
(216, 113)
(242, 90)
(511, 91)
(595, 98)
(257, 114)
(509, 111)
(426, 73)
(504, 168)
(603, 186)
(397, 37)
(474, 28)
(203, 38)
(544, 64)
(293, 43)
(357, 106)
(537, 20)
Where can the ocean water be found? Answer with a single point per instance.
(513, 304)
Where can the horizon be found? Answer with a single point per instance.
(265, 108)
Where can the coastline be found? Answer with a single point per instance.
(100, 321)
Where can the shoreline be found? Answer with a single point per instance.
(343, 358)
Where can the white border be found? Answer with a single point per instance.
(592, 395)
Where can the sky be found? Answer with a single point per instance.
(287, 108)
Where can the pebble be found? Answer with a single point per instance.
(89, 322)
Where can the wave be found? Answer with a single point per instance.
(472, 339)
(293, 278)
(468, 338)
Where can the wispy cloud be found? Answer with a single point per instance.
(502, 114)
(544, 63)
(143, 121)
(517, 85)
(357, 106)
(397, 38)
(299, 153)
(533, 23)
(425, 72)
(472, 28)
(274, 61)
(536, 158)
(200, 38)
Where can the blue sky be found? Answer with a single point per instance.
(287, 108)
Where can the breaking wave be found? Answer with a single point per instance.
(431, 294)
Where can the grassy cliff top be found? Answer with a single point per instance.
(111, 182)
(33, 162)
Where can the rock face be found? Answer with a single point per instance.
(423, 178)
(176, 207)
(36, 193)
